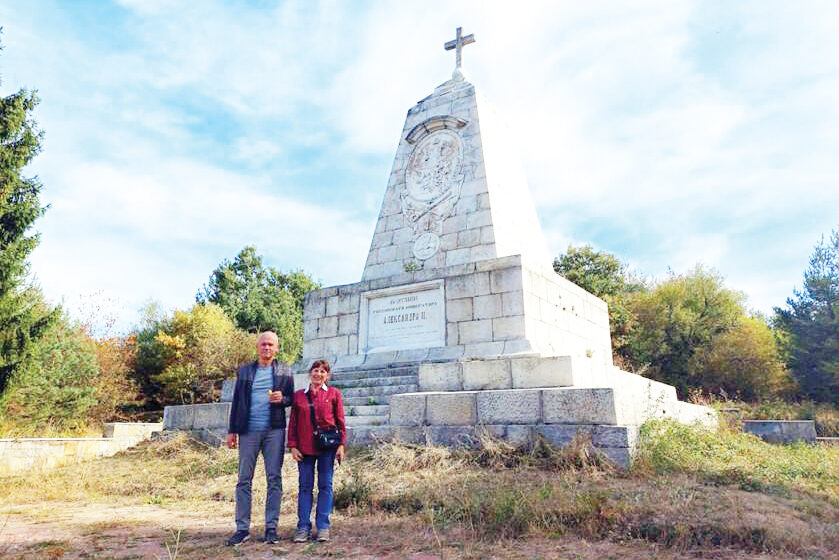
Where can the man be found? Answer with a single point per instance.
(264, 389)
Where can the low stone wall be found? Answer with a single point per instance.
(27, 454)
(205, 422)
(782, 431)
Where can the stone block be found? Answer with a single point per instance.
(379, 359)
(445, 376)
(407, 409)
(382, 239)
(314, 308)
(446, 352)
(448, 242)
(409, 434)
(468, 285)
(508, 328)
(385, 254)
(227, 387)
(178, 417)
(519, 346)
(412, 355)
(328, 327)
(452, 436)
(310, 329)
(560, 435)
(458, 256)
(478, 219)
(451, 409)
(518, 435)
(505, 280)
(469, 238)
(458, 310)
(348, 324)
(336, 346)
(512, 303)
(452, 338)
(515, 406)
(781, 431)
(454, 224)
(484, 252)
(484, 349)
(542, 372)
(615, 436)
(481, 375)
(470, 332)
(211, 415)
(621, 457)
(579, 406)
(487, 236)
(486, 307)
(402, 236)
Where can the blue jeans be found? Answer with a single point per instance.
(325, 462)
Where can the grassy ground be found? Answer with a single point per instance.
(691, 494)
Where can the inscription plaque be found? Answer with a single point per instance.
(403, 318)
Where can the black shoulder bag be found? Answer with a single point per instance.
(325, 438)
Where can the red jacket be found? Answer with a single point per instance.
(329, 411)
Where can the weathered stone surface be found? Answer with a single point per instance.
(407, 409)
(210, 415)
(561, 435)
(509, 407)
(781, 431)
(227, 387)
(620, 456)
(615, 436)
(541, 372)
(578, 406)
(178, 417)
(451, 409)
(444, 376)
(480, 375)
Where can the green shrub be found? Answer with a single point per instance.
(56, 386)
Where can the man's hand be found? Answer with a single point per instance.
(296, 455)
(339, 454)
(232, 440)
(275, 397)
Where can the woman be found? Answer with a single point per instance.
(328, 406)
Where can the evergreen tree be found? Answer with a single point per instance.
(260, 298)
(812, 320)
(23, 314)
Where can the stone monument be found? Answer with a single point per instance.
(460, 323)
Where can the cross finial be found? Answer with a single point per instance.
(457, 44)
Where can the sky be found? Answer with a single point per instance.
(667, 133)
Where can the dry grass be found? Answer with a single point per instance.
(403, 501)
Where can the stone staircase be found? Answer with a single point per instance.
(367, 395)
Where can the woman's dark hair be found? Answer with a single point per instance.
(320, 363)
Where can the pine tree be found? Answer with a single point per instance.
(23, 314)
(812, 320)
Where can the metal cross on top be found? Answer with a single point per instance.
(458, 44)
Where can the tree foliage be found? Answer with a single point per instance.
(811, 318)
(261, 298)
(197, 349)
(56, 385)
(23, 315)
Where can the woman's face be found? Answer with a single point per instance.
(318, 376)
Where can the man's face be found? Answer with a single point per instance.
(267, 346)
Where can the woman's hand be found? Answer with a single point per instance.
(339, 454)
(296, 455)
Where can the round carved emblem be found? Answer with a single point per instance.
(432, 166)
(426, 246)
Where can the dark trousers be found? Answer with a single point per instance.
(272, 445)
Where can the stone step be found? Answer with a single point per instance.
(366, 410)
(378, 391)
(376, 381)
(377, 420)
(340, 376)
(374, 400)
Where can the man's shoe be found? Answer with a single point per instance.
(323, 535)
(301, 535)
(271, 536)
(238, 538)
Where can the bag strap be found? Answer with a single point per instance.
(311, 409)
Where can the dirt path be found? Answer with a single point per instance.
(71, 531)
